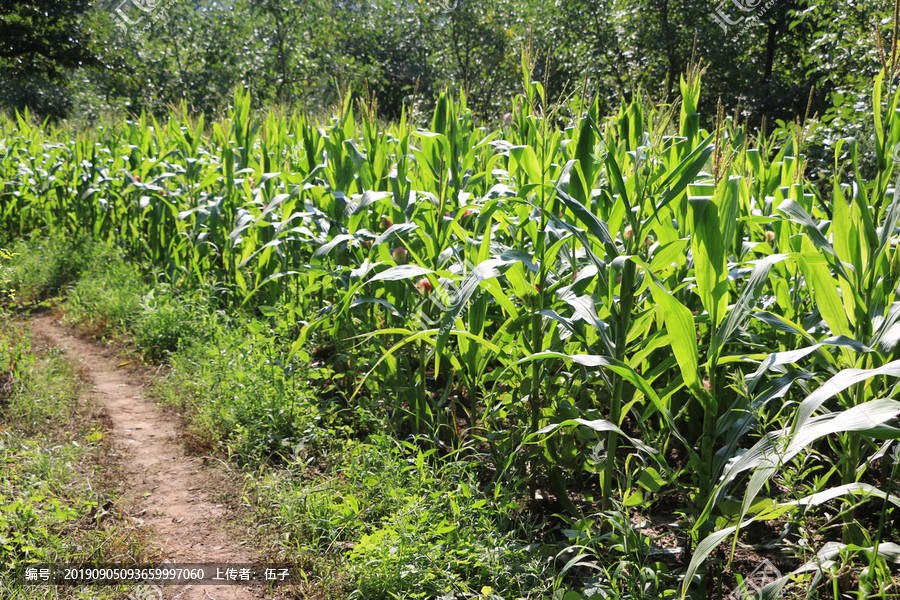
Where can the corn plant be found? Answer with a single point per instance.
(644, 287)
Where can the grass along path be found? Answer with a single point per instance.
(169, 491)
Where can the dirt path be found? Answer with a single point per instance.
(165, 487)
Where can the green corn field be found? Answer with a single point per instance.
(631, 309)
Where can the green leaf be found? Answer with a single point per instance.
(748, 298)
(598, 425)
(527, 159)
(598, 228)
(704, 549)
(621, 369)
(708, 249)
(857, 488)
(838, 384)
(483, 271)
(890, 220)
(326, 248)
(401, 272)
(679, 323)
(825, 291)
(779, 447)
(685, 173)
(650, 479)
(798, 215)
(777, 359)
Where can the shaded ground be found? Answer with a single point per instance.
(169, 492)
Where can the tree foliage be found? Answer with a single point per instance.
(40, 42)
(777, 61)
(43, 38)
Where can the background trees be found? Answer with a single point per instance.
(40, 43)
(303, 52)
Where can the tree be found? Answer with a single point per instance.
(43, 38)
(40, 42)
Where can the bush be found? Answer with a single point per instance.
(107, 296)
(169, 321)
(246, 395)
(417, 527)
(5, 273)
(42, 268)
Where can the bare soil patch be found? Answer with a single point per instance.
(180, 499)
